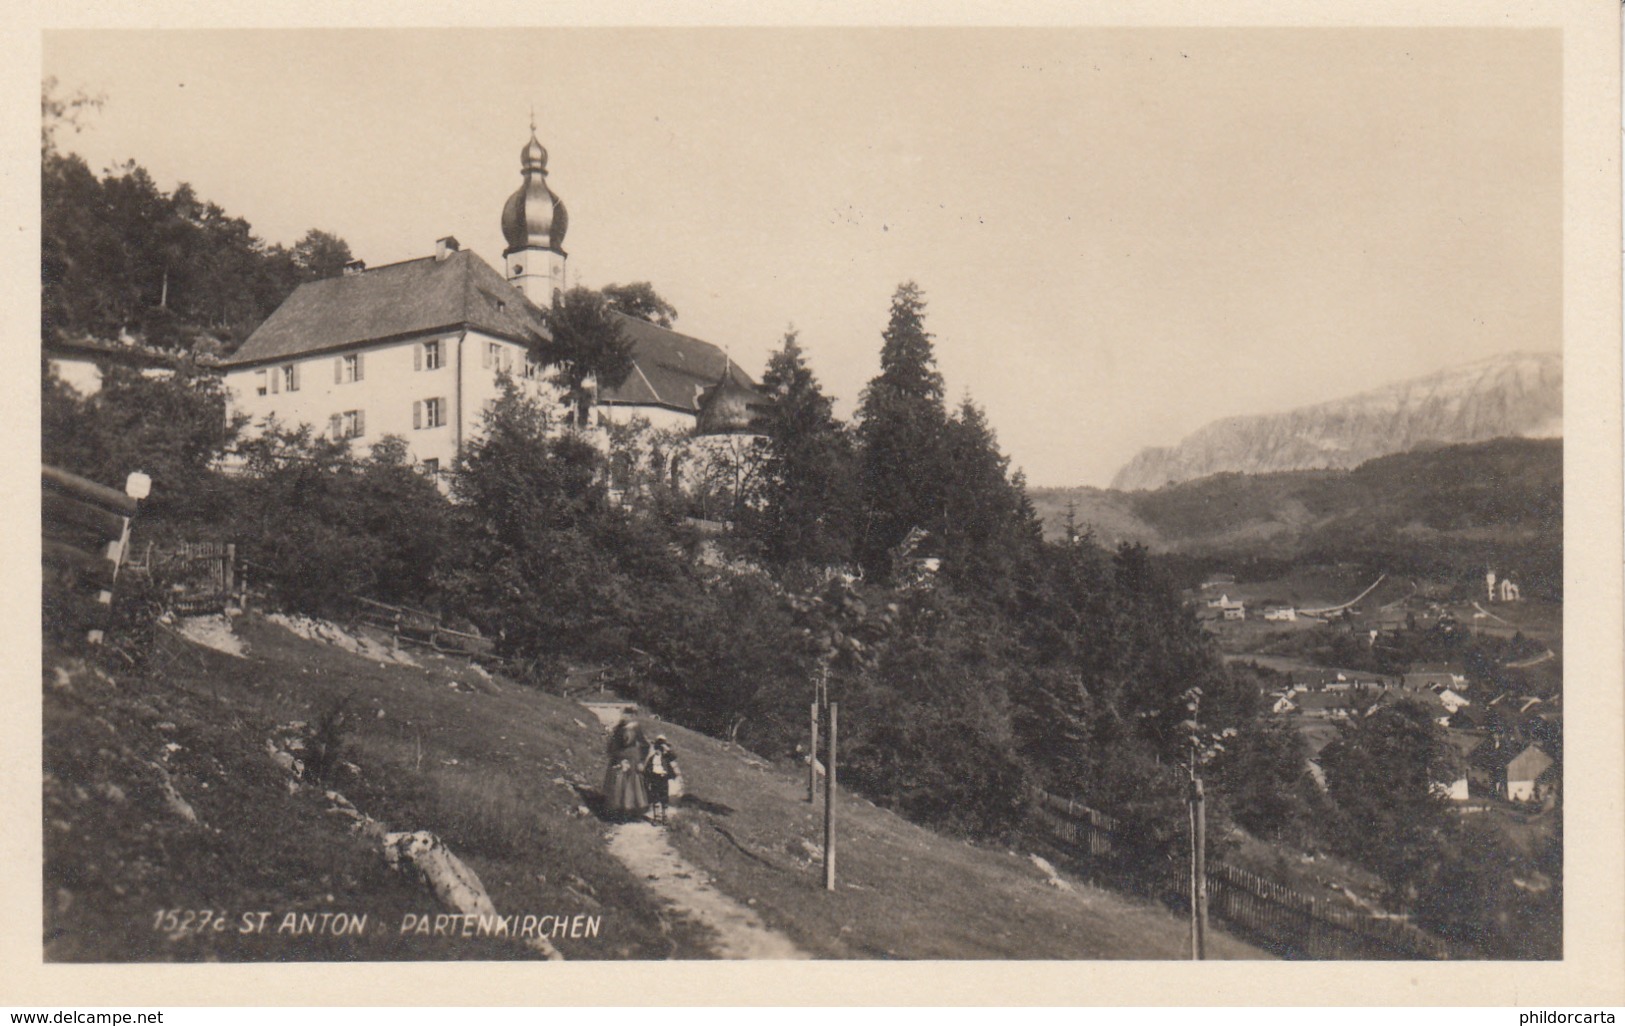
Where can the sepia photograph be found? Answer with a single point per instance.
(1031, 493)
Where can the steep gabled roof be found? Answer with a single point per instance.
(673, 369)
(398, 300)
(100, 351)
(425, 295)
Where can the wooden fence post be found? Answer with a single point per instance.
(829, 801)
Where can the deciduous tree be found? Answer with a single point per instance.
(587, 347)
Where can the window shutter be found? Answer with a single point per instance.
(360, 423)
(360, 364)
(485, 356)
(276, 380)
(294, 385)
(417, 413)
(417, 356)
(338, 370)
(336, 424)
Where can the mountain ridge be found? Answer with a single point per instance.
(1506, 395)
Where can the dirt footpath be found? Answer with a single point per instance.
(643, 849)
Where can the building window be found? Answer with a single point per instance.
(429, 413)
(350, 369)
(431, 467)
(431, 356)
(350, 424)
(262, 382)
(528, 369)
(289, 373)
(493, 354)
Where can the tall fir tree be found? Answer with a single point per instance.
(807, 486)
(988, 529)
(902, 424)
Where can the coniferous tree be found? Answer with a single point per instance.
(807, 493)
(988, 528)
(1383, 772)
(902, 422)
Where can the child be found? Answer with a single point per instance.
(660, 770)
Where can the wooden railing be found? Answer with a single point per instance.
(1281, 919)
(85, 530)
(418, 627)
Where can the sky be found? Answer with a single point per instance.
(1122, 234)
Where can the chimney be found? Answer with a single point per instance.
(445, 247)
(355, 267)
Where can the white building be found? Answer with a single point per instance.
(81, 364)
(418, 349)
(1452, 701)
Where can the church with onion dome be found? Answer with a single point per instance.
(419, 349)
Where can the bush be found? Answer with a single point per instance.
(321, 527)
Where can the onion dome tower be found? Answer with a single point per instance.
(729, 407)
(533, 223)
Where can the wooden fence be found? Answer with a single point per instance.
(1281, 919)
(205, 576)
(85, 528)
(418, 627)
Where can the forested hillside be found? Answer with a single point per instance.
(1439, 510)
(119, 255)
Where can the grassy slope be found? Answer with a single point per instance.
(489, 755)
(497, 771)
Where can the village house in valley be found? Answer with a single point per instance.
(419, 349)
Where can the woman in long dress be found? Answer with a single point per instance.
(624, 794)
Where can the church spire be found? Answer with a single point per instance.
(533, 223)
